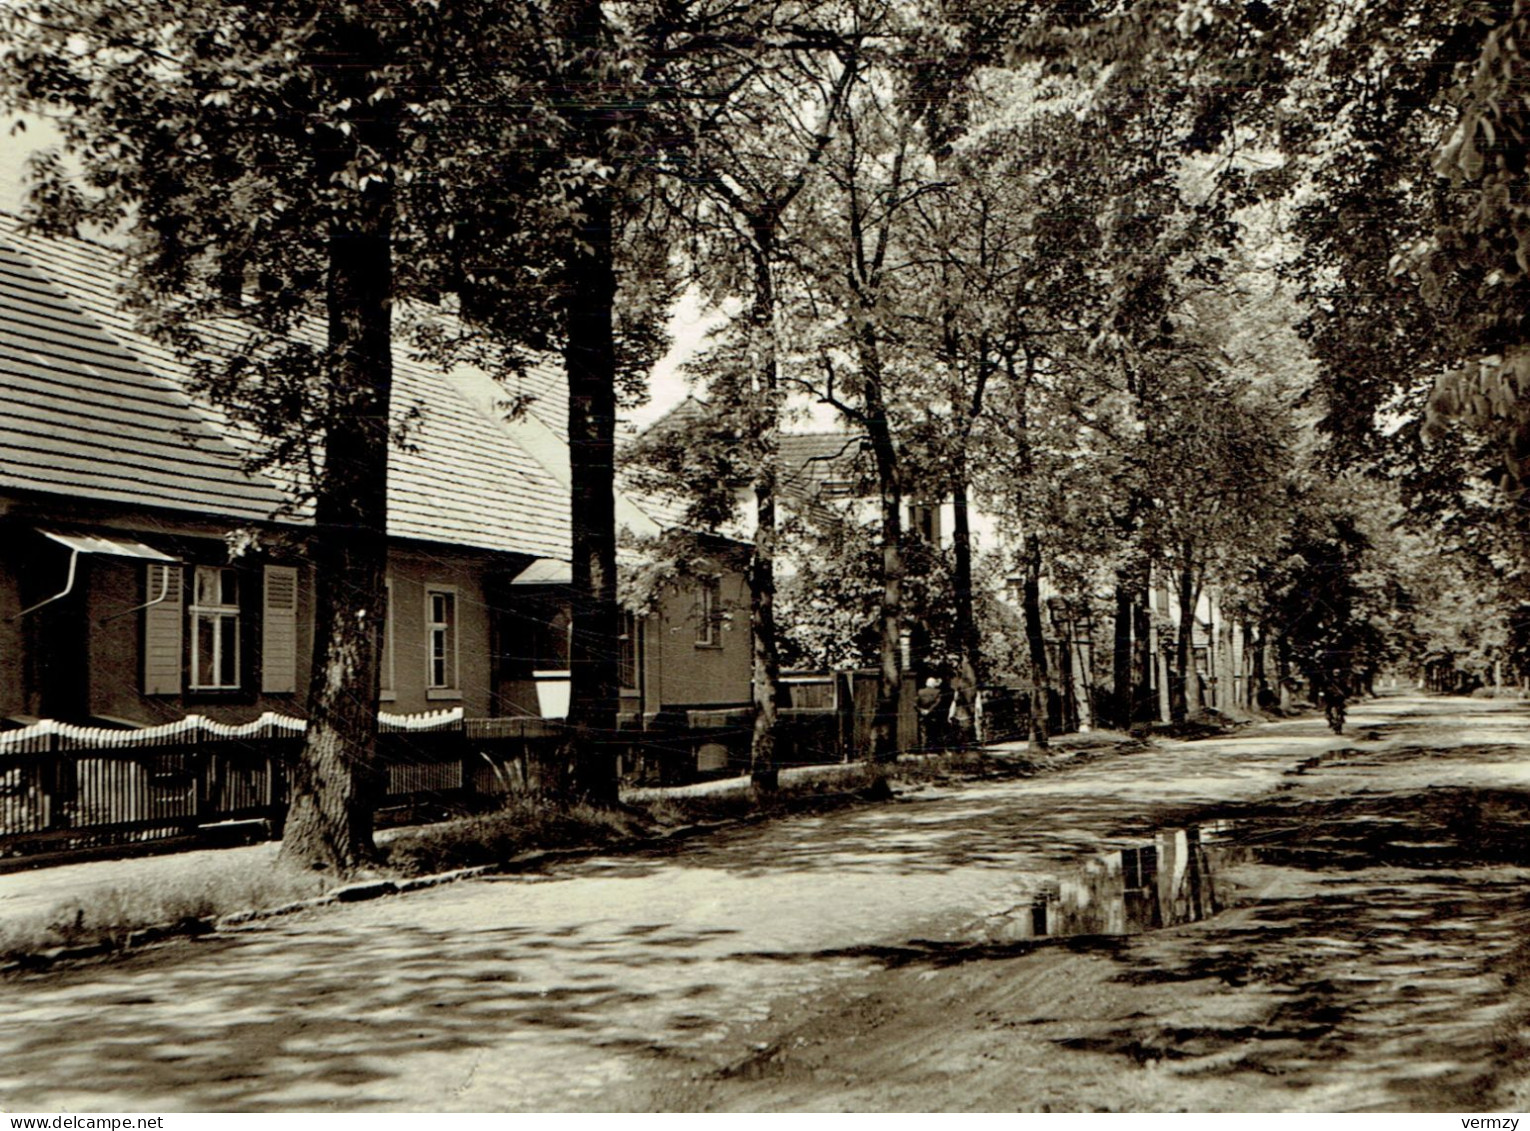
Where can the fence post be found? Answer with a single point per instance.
(277, 750)
(469, 764)
(199, 763)
(63, 783)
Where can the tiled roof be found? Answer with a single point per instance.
(828, 463)
(461, 481)
(811, 464)
(664, 512)
(544, 385)
(644, 514)
(84, 417)
(457, 480)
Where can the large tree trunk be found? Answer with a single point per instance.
(968, 639)
(329, 821)
(890, 495)
(334, 783)
(587, 759)
(766, 677)
(1036, 641)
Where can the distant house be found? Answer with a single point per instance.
(837, 469)
(689, 653)
(145, 576)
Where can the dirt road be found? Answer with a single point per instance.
(1365, 952)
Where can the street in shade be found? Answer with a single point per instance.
(1280, 919)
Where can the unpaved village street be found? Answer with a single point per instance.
(1372, 953)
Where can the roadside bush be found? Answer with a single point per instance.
(498, 837)
(736, 799)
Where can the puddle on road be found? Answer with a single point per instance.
(1177, 876)
(1172, 880)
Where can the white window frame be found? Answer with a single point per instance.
(709, 606)
(387, 690)
(221, 615)
(434, 690)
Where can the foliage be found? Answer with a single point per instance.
(230, 167)
(1337, 588)
(830, 600)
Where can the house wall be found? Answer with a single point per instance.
(411, 574)
(675, 670)
(87, 634)
(78, 657)
(115, 585)
(653, 663)
(692, 674)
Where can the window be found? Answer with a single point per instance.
(921, 520)
(215, 629)
(441, 642)
(626, 656)
(385, 645)
(709, 613)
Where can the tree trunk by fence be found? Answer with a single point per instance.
(890, 497)
(968, 640)
(765, 682)
(329, 822)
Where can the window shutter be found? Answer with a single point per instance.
(162, 631)
(278, 667)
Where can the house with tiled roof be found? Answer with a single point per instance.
(146, 574)
(690, 650)
(830, 472)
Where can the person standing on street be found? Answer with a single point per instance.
(931, 719)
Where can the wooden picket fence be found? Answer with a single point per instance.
(69, 790)
(66, 790)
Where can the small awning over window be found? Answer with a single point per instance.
(108, 544)
(545, 571)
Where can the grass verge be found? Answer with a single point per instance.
(523, 826)
(114, 916)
